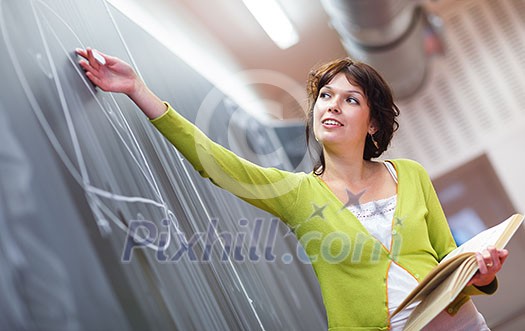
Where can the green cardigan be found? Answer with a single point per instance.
(351, 264)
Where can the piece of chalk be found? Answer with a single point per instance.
(100, 59)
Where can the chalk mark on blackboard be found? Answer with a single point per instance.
(34, 103)
(38, 57)
(71, 125)
(88, 187)
(122, 117)
(113, 114)
(201, 202)
(72, 132)
(81, 177)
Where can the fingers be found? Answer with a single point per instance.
(91, 63)
(81, 52)
(481, 263)
(91, 73)
(95, 58)
(503, 254)
(491, 260)
(94, 79)
(104, 59)
(92, 59)
(86, 66)
(85, 63)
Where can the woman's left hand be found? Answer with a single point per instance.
(490, 262)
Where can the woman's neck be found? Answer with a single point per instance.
(348, 168)
(351, 177)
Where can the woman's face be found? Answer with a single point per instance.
(341, 114)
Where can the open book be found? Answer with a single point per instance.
(444, 283)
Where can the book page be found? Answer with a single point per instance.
(441, 297)
(488, 237)
(432, 280)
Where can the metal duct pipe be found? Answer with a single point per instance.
(387, 34)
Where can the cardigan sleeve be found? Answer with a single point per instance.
(443, 242)
(270, 189)
(439, 230)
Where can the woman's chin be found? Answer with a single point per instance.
(331, 138)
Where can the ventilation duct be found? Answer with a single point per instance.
(387, 34)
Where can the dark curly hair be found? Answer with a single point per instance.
(380, 101)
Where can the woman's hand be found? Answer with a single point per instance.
(490, 262)
(111, 74)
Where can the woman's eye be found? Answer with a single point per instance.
(352, 100)
(323, 95)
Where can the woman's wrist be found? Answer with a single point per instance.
(150, 104)
(137, 89)
(484, 281)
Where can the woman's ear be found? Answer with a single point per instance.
(373, 127)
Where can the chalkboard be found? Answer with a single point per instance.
(96, 207)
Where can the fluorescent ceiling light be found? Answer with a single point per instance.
(181, 33)
(274, 22)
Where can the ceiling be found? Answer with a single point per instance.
(223, 35)
(233, 25)
(227, 33)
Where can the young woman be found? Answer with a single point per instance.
(372, 229)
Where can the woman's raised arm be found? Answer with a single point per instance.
(111, 74)
(267, 188)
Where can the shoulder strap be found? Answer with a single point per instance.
(390, 167)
